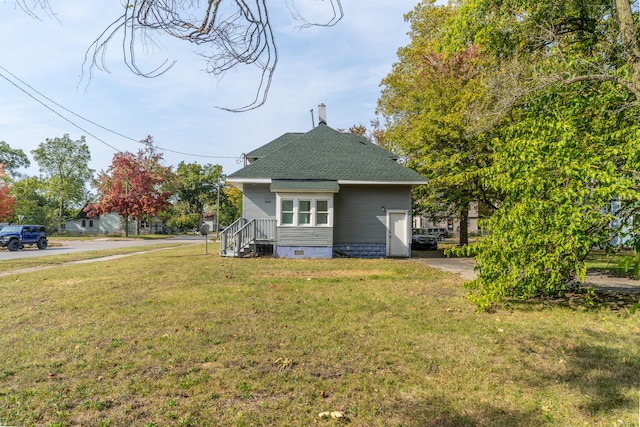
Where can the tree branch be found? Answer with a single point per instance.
(238, 34)
(630, 44)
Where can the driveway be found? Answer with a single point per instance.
(436, 259)
(463, 267)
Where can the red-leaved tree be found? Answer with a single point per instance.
(6, 201)
(134, 185)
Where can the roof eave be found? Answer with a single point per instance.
(249, 180)
(367, 182)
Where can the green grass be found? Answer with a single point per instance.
(611, 262)
(180, 338)
(57, 260)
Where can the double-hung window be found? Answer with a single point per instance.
(286, 213)
(305, 211)
(322, 212)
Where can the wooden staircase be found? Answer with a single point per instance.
(246, 236)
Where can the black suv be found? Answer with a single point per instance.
(15, 237)
(421, 239)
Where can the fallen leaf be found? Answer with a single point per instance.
(336, 415)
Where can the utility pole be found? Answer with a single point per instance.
(218, 210)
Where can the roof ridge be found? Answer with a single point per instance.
(323, 153)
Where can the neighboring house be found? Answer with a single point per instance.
(451, 224)
(209, 218)
(110, 223)
(99, 224)
(322, 194)
(622, 234)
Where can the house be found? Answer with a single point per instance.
(210, 219)
(622, 230)
(451, 224)
(107, 224)
(322, 194)
(99, 224)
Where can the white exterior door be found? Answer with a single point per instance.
(398, 232)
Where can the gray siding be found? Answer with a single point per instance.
(258, 202)
(104, 224)
(359, 217)
(306, 236)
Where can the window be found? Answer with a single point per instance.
(286, 217)
(83, 223)
(90, 223)
(322, 212)
(305, 211)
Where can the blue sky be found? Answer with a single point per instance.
(341, 66)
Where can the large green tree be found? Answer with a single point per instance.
(561, 165)
(33, 202)
(549, 43)
(230, 205)
(545, 94)
(65, 164)
(12, 159)
(563, 78)
(197, 186)
(427, 101)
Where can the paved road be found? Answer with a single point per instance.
(464, 268)
(60, 247)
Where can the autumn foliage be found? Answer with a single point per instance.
(133, 185)
(6, 201)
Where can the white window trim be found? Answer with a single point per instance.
(296, 197)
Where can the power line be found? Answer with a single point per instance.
(88, 120)
(55, 112)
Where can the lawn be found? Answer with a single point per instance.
(9, 265)
(179, 338)
(611, 262)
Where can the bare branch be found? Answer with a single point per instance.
(29, 6)
(234, 32)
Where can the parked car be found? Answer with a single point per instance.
(422, 239)
(15, 237)
(440, 232)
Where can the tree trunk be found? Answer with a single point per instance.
(60, 211)
(464, 225)
(126, 224)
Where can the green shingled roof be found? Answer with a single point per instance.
(325, 154)
(272, 146)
